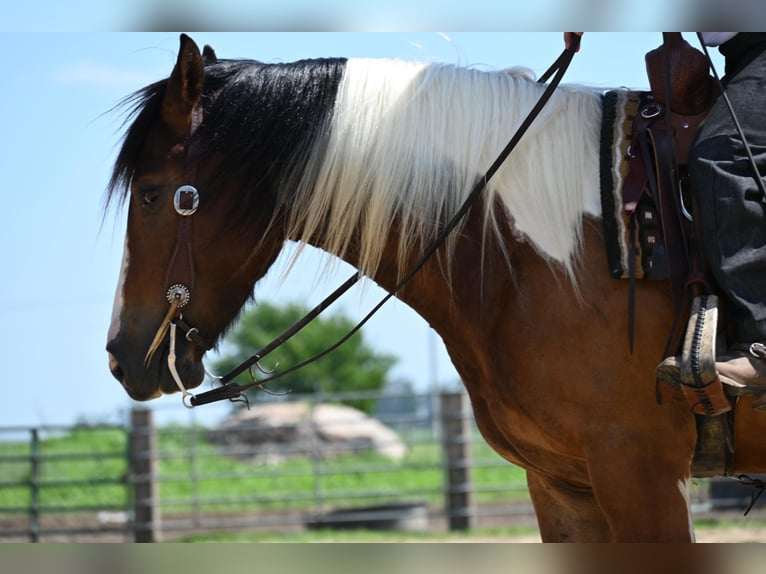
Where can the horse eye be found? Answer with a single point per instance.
(149, 196)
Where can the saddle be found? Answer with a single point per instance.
(658, 207)
(664, 241)
(656, 185)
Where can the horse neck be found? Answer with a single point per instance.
(455, 295)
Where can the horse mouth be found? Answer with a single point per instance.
(146, 383)
(135, 394)
(140, 396)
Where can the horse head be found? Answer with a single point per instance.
(187, 255)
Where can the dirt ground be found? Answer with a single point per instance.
(728, 526)
(704, 535)
(734, 534)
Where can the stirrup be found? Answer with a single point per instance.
(700, 382)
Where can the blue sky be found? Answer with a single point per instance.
(351, 15)
(60, 264)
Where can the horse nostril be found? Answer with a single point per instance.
(118, 374)
(115, 368)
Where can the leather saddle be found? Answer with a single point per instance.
(656, 185)
(682, 94)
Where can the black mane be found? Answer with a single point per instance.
(261, 118)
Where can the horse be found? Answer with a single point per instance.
(226, 161)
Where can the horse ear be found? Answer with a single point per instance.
(208, 55)
(184, 87)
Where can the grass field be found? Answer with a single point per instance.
(88, 469)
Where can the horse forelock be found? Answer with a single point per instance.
(143, 108)
(409, 140)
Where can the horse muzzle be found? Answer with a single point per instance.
(145, 381)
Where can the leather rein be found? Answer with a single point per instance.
(180, 278)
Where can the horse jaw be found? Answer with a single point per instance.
(145, 382)
(119, 296)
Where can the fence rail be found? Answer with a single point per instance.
(146, 483)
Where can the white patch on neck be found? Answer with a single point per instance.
(408, 141)
(119, 295)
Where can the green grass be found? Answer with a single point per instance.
(295, 484)
(226, 484)
(729, 523)
(61, 463)
(97, 458)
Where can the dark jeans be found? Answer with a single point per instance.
(732, 210)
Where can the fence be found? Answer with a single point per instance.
(145, 483)
(223, 479)
(51, 487)
(139, 482)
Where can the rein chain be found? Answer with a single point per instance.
(179, 294)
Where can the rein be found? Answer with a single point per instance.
(233, 390)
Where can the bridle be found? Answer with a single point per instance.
(180, 274)
(180, 277)
(180, 281)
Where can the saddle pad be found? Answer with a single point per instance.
(619, 110)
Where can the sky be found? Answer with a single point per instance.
(60, 255)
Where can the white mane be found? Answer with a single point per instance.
(409, 140)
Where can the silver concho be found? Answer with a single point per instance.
(186, 200)
(180, 294)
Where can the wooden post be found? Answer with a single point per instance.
(34, 485)
(146, 514)
(456, 445)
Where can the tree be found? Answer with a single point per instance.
(354, 366)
